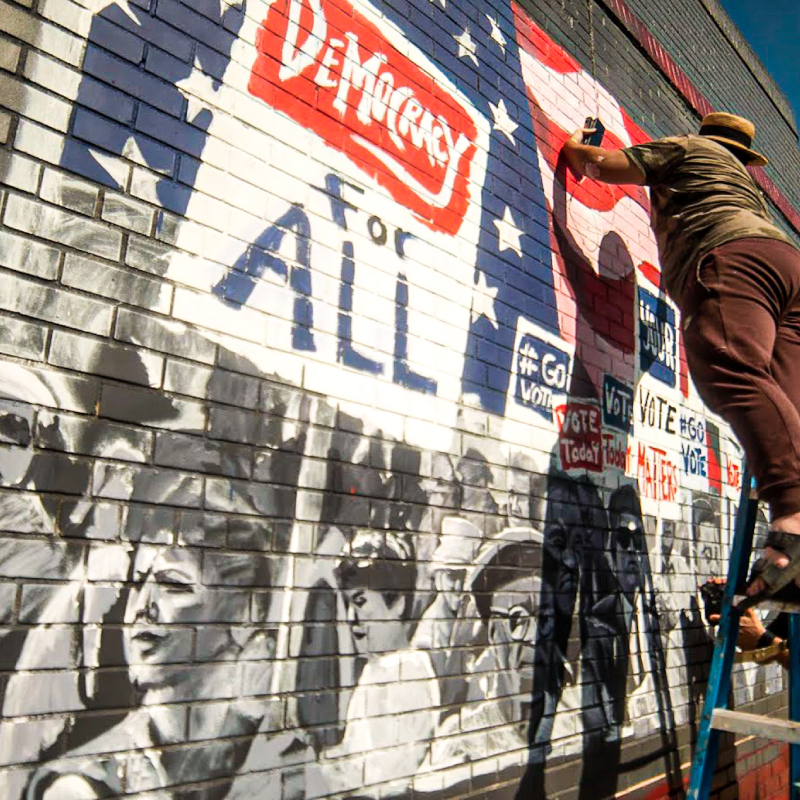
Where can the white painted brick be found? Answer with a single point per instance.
(329, 380)
(52, 388)
(50, 223)
(265, 360)
(127, 213)
(36, 31)
(207, 210)
(244, 137)
(144, 185)
(54, 305)
(231, 189)
(52, 74)
(9, 54)
(68, 15)
(246, 166)
(34, 103)
(239, 69)
(5, 126)
(209, 312)
(191, 238)
(28, 256)
(23, 747)
(216, 152)
(248, 31)
(124, 285)
(195, 273)
(200, 85)
(39, 142)
(225, 249)
(166, 336)
(48, 145)
(23, 339)
(47, 692)
(113, 165)
(148, 256)
(19, 172)
(82, 354)
(72, 193)
(108, 562)
(190, 379)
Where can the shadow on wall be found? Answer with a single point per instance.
(255, 594)
(157, 55)
(410, 642)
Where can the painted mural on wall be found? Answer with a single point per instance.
(424, 498)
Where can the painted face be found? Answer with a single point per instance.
(563, 543)
(519, 498)
(708, 550)
(668, 536)
(629, 539)
(513, 632)
(163, 606)
(376, 625)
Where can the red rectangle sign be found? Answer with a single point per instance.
(330, 68)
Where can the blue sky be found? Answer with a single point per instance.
(773, 28)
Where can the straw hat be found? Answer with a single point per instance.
(732, 130)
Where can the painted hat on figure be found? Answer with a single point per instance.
(735, 131)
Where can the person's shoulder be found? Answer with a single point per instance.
(666, 141)
(682, 139)
(417, 664)
(697, 142)
(672, 145)
(81, 779)
(130, 732)
(92, 765)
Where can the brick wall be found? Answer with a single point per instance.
(330, 466)
(708, 47)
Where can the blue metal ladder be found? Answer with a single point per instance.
(716, 717)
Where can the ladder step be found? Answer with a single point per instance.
(782, 730)
(771, 605)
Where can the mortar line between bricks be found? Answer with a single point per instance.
(769, 91)
(656, 778)
(639, 32)
(55, 284)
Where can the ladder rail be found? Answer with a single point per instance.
(720, 676)
(794, 702)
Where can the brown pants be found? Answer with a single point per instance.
(741, 328)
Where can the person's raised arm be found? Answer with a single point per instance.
(609, 166)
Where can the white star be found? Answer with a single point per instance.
(508, 234)
(131, 151)
(483, 297)
(442, 2)
(502, 122)
(197, 85)
(124, 6)
(496, 34)
(466, 46)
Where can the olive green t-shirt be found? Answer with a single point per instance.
(701, 197)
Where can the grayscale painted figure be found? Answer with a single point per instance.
(392, 712)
